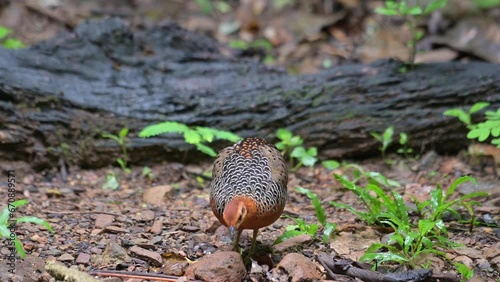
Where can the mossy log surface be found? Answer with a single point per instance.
(57, 97)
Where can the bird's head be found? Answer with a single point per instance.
(234, 215)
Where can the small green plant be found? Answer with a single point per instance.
(487, 4)
(412, 14)
(291, 144)
(438, 204)
(487, 128)
(288, 141)
(209, 6)
(281, 4)
(111, 182)
(148, 173)
(121, 140)
(7, 224)
(305, 157)
(197, 135)
(483, 130)
(403, 141)
(301, 227)
(385, 139)
(355, 174)
(375, 199)
(330, 164)
(464, 271)
(9, 43)
(466, 117)
(409, 241)
(263, 44)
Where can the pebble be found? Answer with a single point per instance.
(66, 257)
(218, 267)
(115, 229)
(83, 258)
(157, 227)
(153, 258)
(103, 220)
(158, 195)
(298, 267)
(292, 242)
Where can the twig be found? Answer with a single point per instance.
(353, 269)
(82, 212)
(137, 275)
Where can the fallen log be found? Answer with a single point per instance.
(58, 96)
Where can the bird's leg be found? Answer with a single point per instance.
(254, 240)
(236, 242)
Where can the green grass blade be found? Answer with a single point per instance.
(4, 217)
(327, 232)
(287, 235)
(320, 212)
(383, 257)
(35, 220)
(19, 247)
(457, 182)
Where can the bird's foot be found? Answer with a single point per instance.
(247, 261)
(236, 248)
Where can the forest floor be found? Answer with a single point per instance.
(168, 213)
(163, 223)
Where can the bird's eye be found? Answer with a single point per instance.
(240, 218)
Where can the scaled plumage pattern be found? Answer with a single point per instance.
(249, 187)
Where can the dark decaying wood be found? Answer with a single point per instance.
(57, 97)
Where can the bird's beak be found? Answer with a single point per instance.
(232, 232)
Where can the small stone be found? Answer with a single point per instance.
(28, 179)
(52, 252)
(38, 239)
(218, 267)
(96, 250)
(490, 253)
(470, 252)
(83, 258)
(103, 220)
(292, 242)
(145, 215)
(174, 264)
(483, 264)
(31, 228)
(65, 257)
(113, 254)
(199, 238)
(202, 202)
(465, 260)
(115, 229)
(196, 215)
(158, 195)
(277, 225)
(222, 234)
(156, 239)
(152, 257)
(496, 261)
(298, 267)
(190, 228)
(157, 227)
(95, 232)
